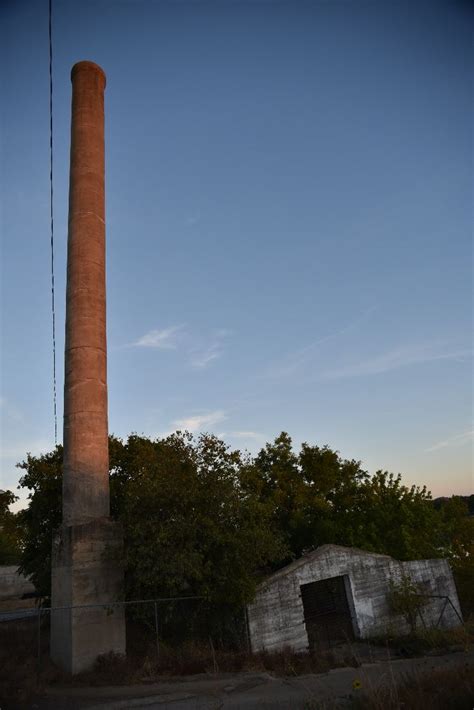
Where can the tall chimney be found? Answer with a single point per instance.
(87, 572)
(86, 458)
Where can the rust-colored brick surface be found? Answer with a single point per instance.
(86, 488)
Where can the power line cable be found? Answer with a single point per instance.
(53, 311)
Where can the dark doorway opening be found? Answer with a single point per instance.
(326, 612)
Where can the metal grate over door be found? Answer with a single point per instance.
(326, 612)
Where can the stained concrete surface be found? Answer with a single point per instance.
(86, 570)
(249, 690)
(13, 585)
(277, 615)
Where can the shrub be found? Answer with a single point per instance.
(405, 597)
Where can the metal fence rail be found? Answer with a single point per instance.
(149, 617)
(168, 624)
(447, 601)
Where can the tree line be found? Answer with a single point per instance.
(200, 518)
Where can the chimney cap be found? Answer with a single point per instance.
(89, 67)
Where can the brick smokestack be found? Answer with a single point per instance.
(86, 460)
(87, 551)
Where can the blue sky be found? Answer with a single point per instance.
(288, 224)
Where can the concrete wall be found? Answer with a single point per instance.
(87, 572)
(12, 584)
(276, 616)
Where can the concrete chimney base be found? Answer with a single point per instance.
(87, 569)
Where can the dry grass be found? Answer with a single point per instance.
(193, 658)
(430, 640)
(19, 676)
(462, 637)
(446, 689)
(21, 679)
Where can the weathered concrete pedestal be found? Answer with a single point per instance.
(87, 569)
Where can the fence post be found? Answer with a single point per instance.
(39, 641)
(457, 613)
(421, 617)
(213, 655)
(156, 632)
(442, 611)
(247, 631)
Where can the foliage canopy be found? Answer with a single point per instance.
(9, 530)
(202, 519)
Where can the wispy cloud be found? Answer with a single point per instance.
(201, 355)
(199, 351)
(199, 422)
(465, 437)
(303, 357)
(200, 360)
(403, 356)
(165, 339)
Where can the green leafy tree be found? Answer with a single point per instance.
(395, 519)
(335, 486)
(311, 496)
(457, 543)
(10, 534)
(43, 479)
(317, 497)
(201, 519)
(188, 527)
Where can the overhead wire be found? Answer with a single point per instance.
(51, 195)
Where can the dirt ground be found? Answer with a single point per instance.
(340, 687)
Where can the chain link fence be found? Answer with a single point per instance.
(181, 635)
(446, 607)
(175, 634)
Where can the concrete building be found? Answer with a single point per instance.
(14, 585)
(18, 595)
(340, 593)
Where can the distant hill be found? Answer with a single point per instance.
(442, 500)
